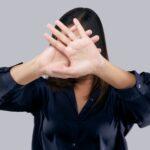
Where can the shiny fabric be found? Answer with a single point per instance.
(57, 124)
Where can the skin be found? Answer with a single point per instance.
(40, 64)
(83, 60)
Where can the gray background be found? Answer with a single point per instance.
(22, 24)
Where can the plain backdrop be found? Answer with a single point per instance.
(22, 25)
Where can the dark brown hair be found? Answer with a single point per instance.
(89, 20)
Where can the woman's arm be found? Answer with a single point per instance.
(114, 75)
(26, 72)
(21, 87)
(38, 66)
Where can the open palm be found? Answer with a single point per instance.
(81, 52)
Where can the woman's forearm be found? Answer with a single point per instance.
(26, 72)
(114, 75)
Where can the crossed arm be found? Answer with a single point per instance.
(83, 56)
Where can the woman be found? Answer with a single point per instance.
(85, 103)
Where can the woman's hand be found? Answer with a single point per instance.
(51, 58)
(48, 59)
(82, 53)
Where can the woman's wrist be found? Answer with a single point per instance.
(99, 64)
(37, 67)
(26, 72)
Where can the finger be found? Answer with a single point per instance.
(79, 27)
(67, 71)
(73, 28)
(58, 34)
(100, 50)
(49, 73)
(88, 32)
(65, 29)
(95, 38)
(59, 75)
(57, 44)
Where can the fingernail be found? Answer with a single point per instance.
(57, 21)
(90, 31)
(75, 20)
(97, 36)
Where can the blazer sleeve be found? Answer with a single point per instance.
(133, 104)
(16, 97)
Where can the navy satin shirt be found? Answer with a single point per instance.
(58, 126)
